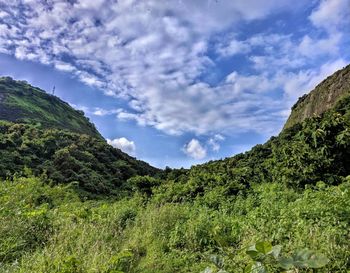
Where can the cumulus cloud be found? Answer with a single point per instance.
(331, 14)
(127, 146)
(232, 47)
(214, 142)
(96, 111)
(195, 149)
(104, 112)
(153, 54)
(297, 84)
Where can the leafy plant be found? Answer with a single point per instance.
(267, 258)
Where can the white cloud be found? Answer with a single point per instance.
(315, 47)
(195, 150)
(96, 111)
(214, 142)
(127, 146)
(104, 112)
(331, 14)
(232, 47)
(297, 84)
(64, 66)
(153, 54)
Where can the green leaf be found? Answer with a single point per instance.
(276, 250)
(256, 267)
(263, 247)
(248, 268)
(217, 261)
(208, 270)
(286, 263)
(304, 258)
(317, 261)
(302, 255)
(252, 252)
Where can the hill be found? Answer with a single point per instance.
(43, 133)
(22, 103)
(65, 157)
(292, 192)
(322, 98)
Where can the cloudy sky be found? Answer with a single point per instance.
(177, 82)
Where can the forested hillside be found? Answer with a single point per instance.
(65, 157)
(292, 192)
(303, 155)
(22, 103)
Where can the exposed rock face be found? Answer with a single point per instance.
(322, 98)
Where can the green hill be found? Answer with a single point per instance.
(65, 157)
(292, 192)
(322, 98)
(22, 103)
(41, 132)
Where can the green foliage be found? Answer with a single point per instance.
(293, 191)
(266, 257)
(51, 230)
(21, 102)
(25, 215)
(65, 157)
(316, 150)
(143, 184)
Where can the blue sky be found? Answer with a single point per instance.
(177, 82)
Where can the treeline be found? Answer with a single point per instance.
(65, 157)
(293, 191)
(314, 151)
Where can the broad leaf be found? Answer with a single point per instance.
(263, 247)
(217, 260)
(276, 250)
(252, 252)
(256, 267)
(317, 261)
(286, 263)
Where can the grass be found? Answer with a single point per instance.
(136, 235)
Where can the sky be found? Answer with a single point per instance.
(177, 82)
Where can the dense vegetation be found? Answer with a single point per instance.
(49, 229)
(313, 151)
(256, 212)
(90, 163)
(21, 102)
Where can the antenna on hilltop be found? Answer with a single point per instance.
(53, 90)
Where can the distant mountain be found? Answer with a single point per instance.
(322, 98)
(22, 103)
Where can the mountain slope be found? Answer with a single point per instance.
(66, 157)
(41, 132)
(314, 146)
(293, 191)
(23, 103)
(322, 98)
